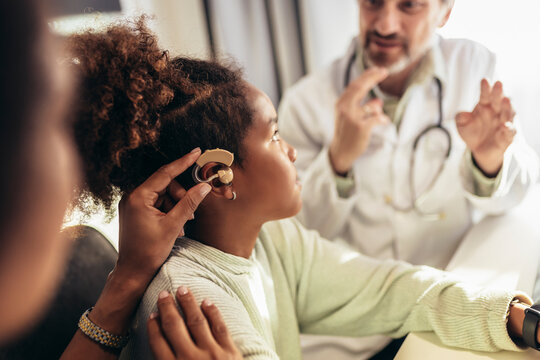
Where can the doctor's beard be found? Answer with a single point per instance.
(381, 60)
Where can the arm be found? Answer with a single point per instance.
(306, 119)
(518, 173)
(495, 150)
(393, 298)
(206, 286)
(516, 317)
(212, 339)
(146, 237)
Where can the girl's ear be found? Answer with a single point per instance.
(219, 189)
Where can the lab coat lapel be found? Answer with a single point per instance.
(422, 111)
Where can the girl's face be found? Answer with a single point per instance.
(267, 181)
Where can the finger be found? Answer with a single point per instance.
(463, 118)
(173, 326)
(167, 203)
(496, 97)
(370, 111)
(485, 90)
(218, 326)
(176, 191)
(375, 105)
(507, 112)
(384, 119)
(505, 135)
(359, 87)
(159, 180)
(195, 319)
(159, 345)
(184, 209)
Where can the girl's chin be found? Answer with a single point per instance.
(296, 208)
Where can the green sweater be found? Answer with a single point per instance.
(296, 282)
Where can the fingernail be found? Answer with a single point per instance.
(207, 303)
(197, 149)
(153, 315)
(205, 189)
(192, 217)
(182, 290)
(164, 294)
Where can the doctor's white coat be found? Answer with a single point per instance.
(364, 219)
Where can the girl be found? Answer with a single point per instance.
(271, 278)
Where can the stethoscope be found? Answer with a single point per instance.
(416, 200)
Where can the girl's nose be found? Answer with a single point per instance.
(292, 153)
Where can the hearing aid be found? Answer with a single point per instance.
(224, 157)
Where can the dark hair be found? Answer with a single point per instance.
(138, 110)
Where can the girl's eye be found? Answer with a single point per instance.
(276, 137)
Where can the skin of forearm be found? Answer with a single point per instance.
(113, 312)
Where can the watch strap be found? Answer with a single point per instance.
(530, 326)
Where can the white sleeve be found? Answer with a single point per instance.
(518, 173)
(519, 170)
(300, 124)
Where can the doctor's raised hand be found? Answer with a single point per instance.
(488, 130)
(355, 120)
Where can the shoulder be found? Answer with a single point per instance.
(187, 268)
(288, 237)
(284, 229)
(464, 53)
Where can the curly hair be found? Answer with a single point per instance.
(138, 110)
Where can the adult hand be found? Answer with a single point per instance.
(147, 232)
(488, 130)
(203, 335)
(150, 221)
(354, 122)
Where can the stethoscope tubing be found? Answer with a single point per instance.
(438, 126)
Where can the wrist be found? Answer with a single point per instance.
(516, 318)
(339, 166)
(516, 315)
(489, 165)
(118, 300)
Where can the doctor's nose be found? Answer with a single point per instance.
(387, 21)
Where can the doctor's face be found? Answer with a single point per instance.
(396, 33)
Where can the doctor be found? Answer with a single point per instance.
(404, 137)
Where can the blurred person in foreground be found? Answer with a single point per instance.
(40, 170)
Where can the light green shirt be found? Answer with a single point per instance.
(295, 282)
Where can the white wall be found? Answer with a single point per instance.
(511, 30)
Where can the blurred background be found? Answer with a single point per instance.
(279, 41)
